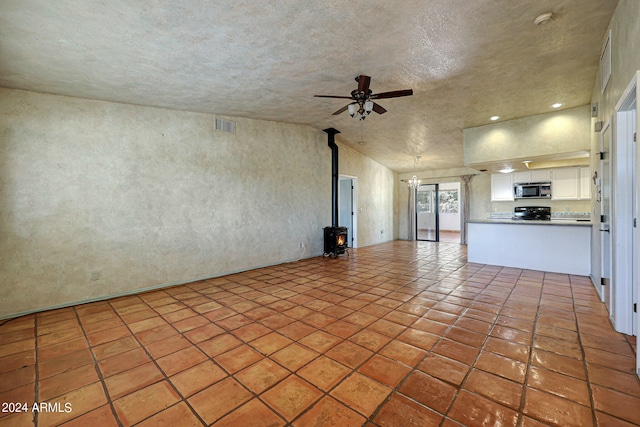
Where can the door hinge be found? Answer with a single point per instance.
(603, 282)
(635, 307)
(634, 222)
(601, 154)
(635, 137)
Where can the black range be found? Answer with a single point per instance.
(532, 213)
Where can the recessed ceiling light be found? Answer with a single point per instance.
(506, 169)
(556, 105)
(494, 118)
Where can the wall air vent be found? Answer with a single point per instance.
(225, 125)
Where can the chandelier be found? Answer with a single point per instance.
(414, 182)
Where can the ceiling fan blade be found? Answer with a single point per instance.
(363, 83)
(392, 94)
(379, 108)
(343, 109)
(333, 96)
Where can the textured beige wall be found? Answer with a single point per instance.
(100, 198)
(376, 196)
(563, 131)
(625, 61)
(480, 196)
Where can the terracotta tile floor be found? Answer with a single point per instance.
(399, 334)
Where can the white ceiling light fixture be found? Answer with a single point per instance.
(361, 109)
(506, 169)
(545, 18)
(556, 105)
(494, 118)
(414, 182)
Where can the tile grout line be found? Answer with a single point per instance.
(37, 368)
(97, 369)
(523, 398)
(584, 358)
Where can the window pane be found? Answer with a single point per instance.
(449, 201)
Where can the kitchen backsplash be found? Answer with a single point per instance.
(571, 215)
(498, 215)
(557, 215)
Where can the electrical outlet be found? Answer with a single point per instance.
(301, 245)
(96, 275)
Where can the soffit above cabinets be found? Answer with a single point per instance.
(562, 160)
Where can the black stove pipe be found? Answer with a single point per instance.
(331, 132)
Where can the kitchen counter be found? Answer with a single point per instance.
(563, 221)
(559, 246)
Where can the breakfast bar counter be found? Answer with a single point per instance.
(559, 246)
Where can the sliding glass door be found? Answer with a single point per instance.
(427, 219)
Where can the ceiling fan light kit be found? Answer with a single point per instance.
(363, 98)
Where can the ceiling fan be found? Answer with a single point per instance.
(363, 99)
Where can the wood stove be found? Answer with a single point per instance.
(335, 237)
(335, 241)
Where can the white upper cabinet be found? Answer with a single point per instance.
(585, 182)
(501, 187)
(541, 175)
(565, 184)
(572, 183)
(532, 176)
(519, 177)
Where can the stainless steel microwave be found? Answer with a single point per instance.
(532, 190)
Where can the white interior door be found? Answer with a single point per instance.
(625, 230)
(634, 284)
(347, 208)
(605, 216)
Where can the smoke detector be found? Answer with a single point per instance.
(543, 19)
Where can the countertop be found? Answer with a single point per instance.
(562, 246)
(573, 222)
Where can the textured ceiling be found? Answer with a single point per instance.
(465, 60)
